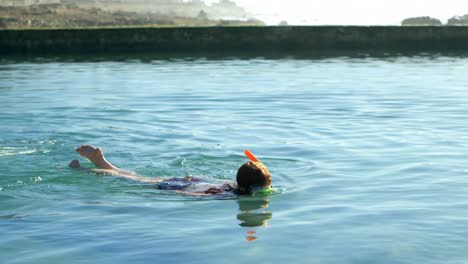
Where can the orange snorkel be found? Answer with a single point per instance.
(251, 156)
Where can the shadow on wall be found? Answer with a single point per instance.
(231, 40)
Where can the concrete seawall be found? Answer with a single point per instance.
(226, 39)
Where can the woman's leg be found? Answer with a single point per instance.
(96, 156)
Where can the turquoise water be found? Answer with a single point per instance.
(370, 155)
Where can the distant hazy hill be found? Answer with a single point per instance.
(27, 2)
(421, 21)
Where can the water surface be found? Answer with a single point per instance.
(370, 154)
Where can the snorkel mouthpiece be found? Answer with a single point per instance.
(263, 191)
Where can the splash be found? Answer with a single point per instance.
(10, 151)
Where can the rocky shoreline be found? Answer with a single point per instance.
(73, 16)
(430, 21)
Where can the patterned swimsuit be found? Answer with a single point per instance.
(190, 183)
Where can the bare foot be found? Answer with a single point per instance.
(95, 155)
(74, 164)
(92, 153)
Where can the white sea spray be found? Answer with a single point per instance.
(12, 151)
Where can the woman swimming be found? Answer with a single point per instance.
(251, 177)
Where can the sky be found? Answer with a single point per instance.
(351, 12)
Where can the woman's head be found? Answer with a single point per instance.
(251, 176)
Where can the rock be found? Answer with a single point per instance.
(458, 21)
(202, 15)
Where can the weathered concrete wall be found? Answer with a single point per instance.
(226, 39)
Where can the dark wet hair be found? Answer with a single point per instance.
(252, 175)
